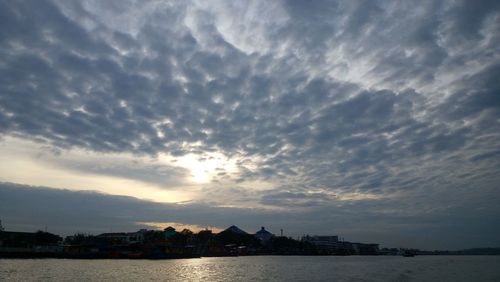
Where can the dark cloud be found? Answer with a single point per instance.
(361, 97)
(479, 94)
(65, 212)
(296, 199)
(468, 18)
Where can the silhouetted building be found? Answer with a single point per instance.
(124, 238)
(235, 229)
(12, 239)
(263, 235)
(17, 239)
(329, 244)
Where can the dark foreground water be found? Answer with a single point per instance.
(264, 268)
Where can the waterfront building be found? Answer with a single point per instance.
(124, 238)
(17, 239)
(235, 229)
(329, 243)
(263, 235)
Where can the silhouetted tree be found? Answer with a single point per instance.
(204, 236)
(187, 232)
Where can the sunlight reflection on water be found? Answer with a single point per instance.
(264, 268)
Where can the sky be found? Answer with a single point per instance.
(378, 121)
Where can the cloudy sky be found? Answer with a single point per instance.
(378, 121)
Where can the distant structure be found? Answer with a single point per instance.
(263, 235)
(26, 241)
(169, 232)
(364, 249)
(329, 243)
(332, 245)
(1, 226)
(124, 237)
(235, 229)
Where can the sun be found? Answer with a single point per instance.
(200, 172)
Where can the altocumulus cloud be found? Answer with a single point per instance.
(381, 112)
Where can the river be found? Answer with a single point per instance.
(258, 268)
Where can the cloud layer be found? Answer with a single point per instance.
(317, 104)
(26, 208)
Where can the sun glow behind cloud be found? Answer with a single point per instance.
(164, 178)
(203, 167)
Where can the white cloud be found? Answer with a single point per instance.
(254, 104)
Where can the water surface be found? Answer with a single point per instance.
(259, 268)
